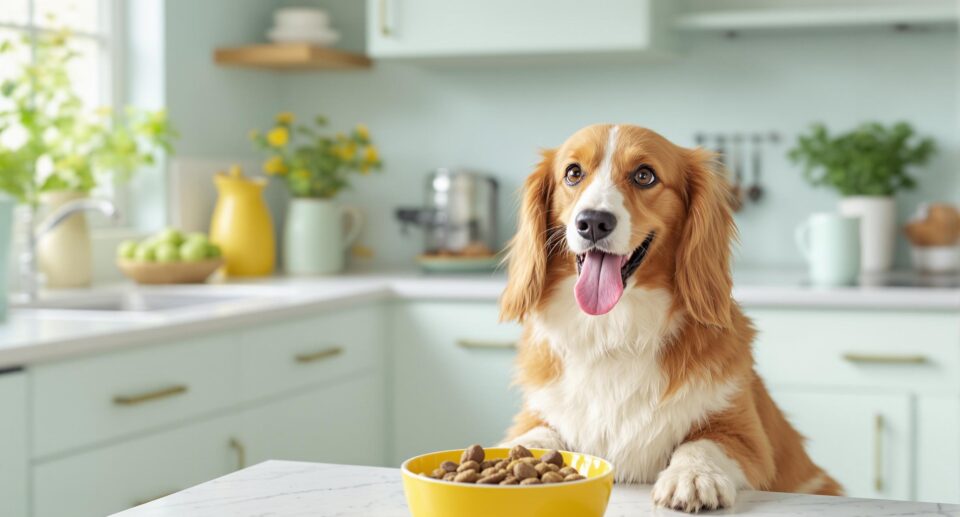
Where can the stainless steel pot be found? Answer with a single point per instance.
(459, 217)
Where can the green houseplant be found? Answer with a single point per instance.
(867, 166)
(316, 166)
(54, 149)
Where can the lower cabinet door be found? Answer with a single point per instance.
(343, 423)
(110, 479)
(13, 444)
(865, 441)
(453, 370)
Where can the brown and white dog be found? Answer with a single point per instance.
(633, 349)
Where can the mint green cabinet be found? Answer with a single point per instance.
(110, 479)
(452, 371)
(13, 444)
(938, 449)
(864, 440)
(344, 423)
(448, 28)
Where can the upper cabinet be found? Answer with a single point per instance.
(456, 28)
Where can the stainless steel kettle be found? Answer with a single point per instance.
(460, 215)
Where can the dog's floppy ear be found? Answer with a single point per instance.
(527, 271)
(703, 256)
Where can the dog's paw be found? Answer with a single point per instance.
(691, 490)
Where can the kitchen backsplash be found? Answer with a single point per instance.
(494, 117)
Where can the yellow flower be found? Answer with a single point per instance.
(347, 152)
(275, 166)
(253, 134)
(370, 155)
(285, 118)
(301, 174)
(363, 132)
(278, 137)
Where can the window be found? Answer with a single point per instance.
(94, 27)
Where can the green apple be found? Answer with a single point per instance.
(193, 250)
(171, 235)
(127, 249)
(213, 251)
(197, 236)
(145, 253)
(167, 252)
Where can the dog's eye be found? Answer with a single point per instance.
(644, 177)
(573, 175)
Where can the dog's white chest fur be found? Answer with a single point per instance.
(607, 402)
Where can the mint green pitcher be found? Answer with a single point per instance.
(317, 234)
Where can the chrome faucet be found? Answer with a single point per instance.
(29, 277)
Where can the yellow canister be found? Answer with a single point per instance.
(241, 224)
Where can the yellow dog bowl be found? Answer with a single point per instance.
(429, 497)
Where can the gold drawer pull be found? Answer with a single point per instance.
(319, 355)
(241, 450)
(878, 425)
(140, 398)
(885, 359)
(470, 343)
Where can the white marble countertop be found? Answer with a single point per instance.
(35, 335)
(288, 489)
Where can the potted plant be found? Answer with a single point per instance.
(315, 167)
(867, 166)
(53, 149)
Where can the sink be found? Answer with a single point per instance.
(129, 301)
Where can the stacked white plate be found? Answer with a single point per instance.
(302, 25)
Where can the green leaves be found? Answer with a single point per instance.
(83, 147)
(871, 160)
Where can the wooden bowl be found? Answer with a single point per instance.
(186, 272)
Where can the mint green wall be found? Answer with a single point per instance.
(494, 117)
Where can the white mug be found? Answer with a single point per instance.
(831, 245)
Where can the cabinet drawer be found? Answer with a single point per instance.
(918, 351)
(13, 443)
(103, 481)
(298, 353)
(91, 400)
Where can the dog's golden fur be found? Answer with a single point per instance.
(689, 214)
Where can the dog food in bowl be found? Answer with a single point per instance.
(520, 467)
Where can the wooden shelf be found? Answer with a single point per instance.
(931, 13)
(290, 56)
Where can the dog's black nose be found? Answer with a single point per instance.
(594, 225)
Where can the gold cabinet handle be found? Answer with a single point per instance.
(319, 355)
(472, 343)
(241, 452)
(885, 358)
(878, 426)
(384, 26)
(140, 398)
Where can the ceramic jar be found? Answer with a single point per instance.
(317, 234)
(64, 255)
(242, 226)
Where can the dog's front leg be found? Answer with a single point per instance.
(540, 437)
(700, 476)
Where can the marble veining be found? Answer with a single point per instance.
(295, 489)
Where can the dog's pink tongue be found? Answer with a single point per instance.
(599, 287)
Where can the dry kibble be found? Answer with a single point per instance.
(484, 465)
(553, 457)
(488, 471)
(573, 477)
(493, 479)
(541, 468)
(438, 473)
(566, 471)
(530, 461)
(472, 453)
(531, 481)
(449, 466)
(467, 476)
(524, 471)
(552, 477)
(449, 476)
(513, 463)
(502, 464)
(468, 465)
(510, 481)
(519, 451)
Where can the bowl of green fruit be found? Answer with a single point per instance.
(169, 257)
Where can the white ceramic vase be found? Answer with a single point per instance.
(878, 229)
(64, 254)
